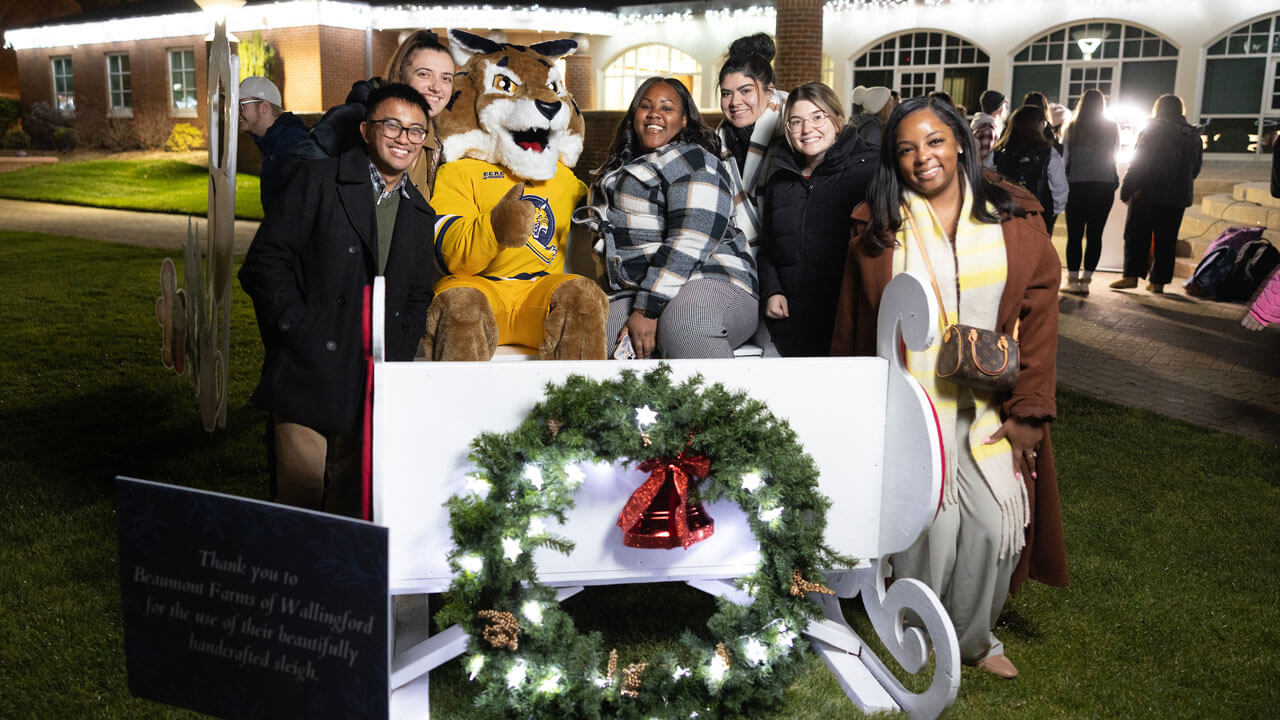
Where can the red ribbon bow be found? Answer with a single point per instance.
(681, 468)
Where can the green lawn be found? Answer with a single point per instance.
(159, 185)
(1172, 530)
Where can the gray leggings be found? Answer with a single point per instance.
(706, 319)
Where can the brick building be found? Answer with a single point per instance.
(143, 62)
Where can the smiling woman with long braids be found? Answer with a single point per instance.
(931, 210)
(682, 281)
(819, 175)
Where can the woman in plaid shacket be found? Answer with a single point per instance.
(682, 280)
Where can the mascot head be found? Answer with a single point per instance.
(510, 107)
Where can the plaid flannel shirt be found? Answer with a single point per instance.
(669, 219)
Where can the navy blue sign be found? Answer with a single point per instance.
(245, 609)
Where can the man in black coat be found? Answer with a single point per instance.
(340, 221)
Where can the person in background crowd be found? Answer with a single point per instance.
(819, 176)
(276, 133)
(1037, 99)
(340, 222)
(1000, 520)
(1089, 151)
(988, 125)
(876, 103)
(1158, 188)
(423, 63)
(1026, 157)
(946, 98)
(752, 109)
(682, 279)
(1059, 115)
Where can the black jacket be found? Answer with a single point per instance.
(278, 145)
(306, 272)
(805, 235)
(1165, 165)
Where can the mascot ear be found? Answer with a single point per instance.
(463, 45)
(555, 48)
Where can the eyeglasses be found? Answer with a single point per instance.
(250, 101)
(798, 123)
(391, 130)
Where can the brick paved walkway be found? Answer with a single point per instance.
(1175, 355)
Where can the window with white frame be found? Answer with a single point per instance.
(182, 82)
(628, 70)
(119, 86)
(828, 71)
(923, 61)
(64, 93)
(1128, 64)
(1240, 99)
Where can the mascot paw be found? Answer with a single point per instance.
(513, 218)
(574, 328)
(460, 326)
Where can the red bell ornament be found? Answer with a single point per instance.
(659, 513)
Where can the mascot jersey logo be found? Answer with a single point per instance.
(511, 134)
(542, 239)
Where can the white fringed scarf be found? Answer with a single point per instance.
(971, 278)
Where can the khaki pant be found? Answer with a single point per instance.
(317, 471)
(957, 557)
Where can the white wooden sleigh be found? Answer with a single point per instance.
(868, 425)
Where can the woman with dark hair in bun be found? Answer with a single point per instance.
(682, 281)
(752, 109)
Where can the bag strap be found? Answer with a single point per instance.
(911, 224)
(942, 308)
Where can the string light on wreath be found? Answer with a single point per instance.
(573, 476)
(537, 527)
(533, 474)
(532, 610)
(511, 549)
(556, 672)
(517, 674)
(771, 515)
(478, 486)
(551, 683)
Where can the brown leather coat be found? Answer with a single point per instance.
(1030, 294)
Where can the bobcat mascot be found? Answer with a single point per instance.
(503, 200)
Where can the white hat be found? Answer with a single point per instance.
(871, 98)
(256, 86)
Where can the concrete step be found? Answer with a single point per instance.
(1256, 192)
(1240, 212)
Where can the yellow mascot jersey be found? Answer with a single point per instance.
(467, 189)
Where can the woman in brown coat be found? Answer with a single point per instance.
(930, 210)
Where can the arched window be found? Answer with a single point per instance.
(628, 70)
(920, 62)
(1126, 63)
(1240, 99)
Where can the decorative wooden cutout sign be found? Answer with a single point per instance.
(196, 319)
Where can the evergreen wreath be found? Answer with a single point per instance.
(524, 648)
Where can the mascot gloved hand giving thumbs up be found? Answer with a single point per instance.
(503, 199)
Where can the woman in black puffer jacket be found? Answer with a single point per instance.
(818, 178)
